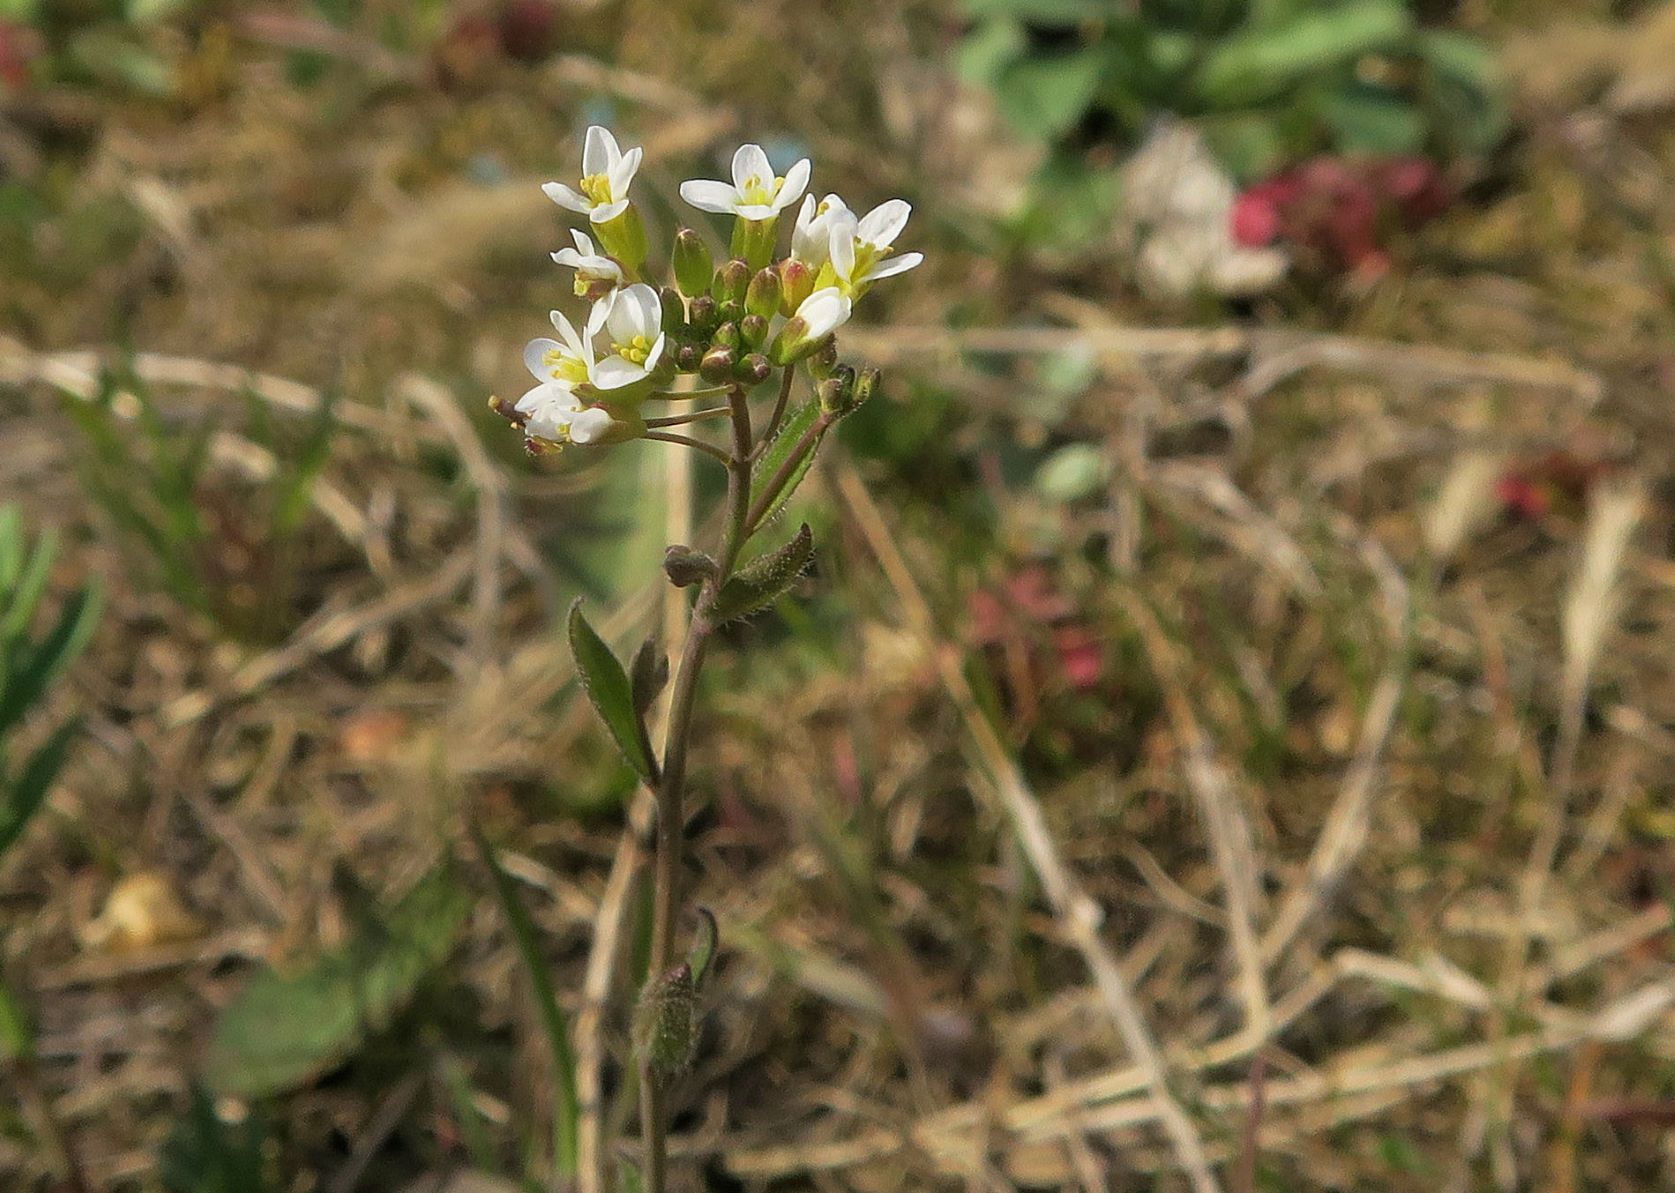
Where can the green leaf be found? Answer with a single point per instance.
(284, 1030)
(11, 546)
(23, 592)
(780, 449)
(1044, 96)
(30, 667)
(17, 1033)
(608, 688)
(553, 1023)
(24, 796)
(762, 581)
(205, 1154)
(1374, 120)
(989, 49)
(1260, 65)
(648, 673)
(1465, 88)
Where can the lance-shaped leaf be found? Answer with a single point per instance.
(608, 688)
(23, 797)
(761, 582)
(647, 674)
(779, 453)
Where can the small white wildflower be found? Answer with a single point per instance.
(607, 172)
(756, 192)
(568, 359)
(596, 274)
(633, 320)
(553, 412)
(811, 240)
(861, 249)
(816, 317)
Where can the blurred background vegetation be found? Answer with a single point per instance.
(1248, 591)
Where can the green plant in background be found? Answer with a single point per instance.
(31, 659)
(29, 663)
(1266, 81)
(227, 555)
(750, 327)
(103, 43)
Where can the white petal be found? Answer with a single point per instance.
(565, 197)
(710, 196)
(843, 246)
(567, 332)
(596, 316)
(656, 353)
(647, 309)
(824, 311)
(605, 213)
(805, 213)
(884, 223)
(615, 372)
(750, 162)
(599, 151)
(568, 257)
(622, 173)
(584, 242)
(755, 211)
(535, 354)
(590, 425)
(549, 394)
(891, 266)
(796, 182)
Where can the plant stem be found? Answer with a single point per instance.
(788, 375)
(671, 788)
(691, 416)
(687, 441)
(778, 481)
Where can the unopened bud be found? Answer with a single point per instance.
(796, 282)
(865, 385)
(506, 410)
(762, 298)
(717, 365)
(702, 312)
(754, 369)
(674, 309)
(726, 336)
(687, 357)
(693, 263)
(837, 392)
(824, 359)
(753, 329)
(665, 1021)
(686, 566)
(732, 280)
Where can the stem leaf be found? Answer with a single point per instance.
(608, 689)
(780, 450)
(762, 581)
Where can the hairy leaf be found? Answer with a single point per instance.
(781, 449)
(761, 582)
(608, 688)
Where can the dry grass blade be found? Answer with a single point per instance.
(1078, 914)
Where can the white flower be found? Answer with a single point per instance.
(811, 240)
(862, 249)
(633, 321)
(567, 360)
(596, 274)
(606, 175)
(823, 312)
(756, 192)
(553, 412)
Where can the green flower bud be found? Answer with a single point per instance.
(687, 357)
(727, 335)
(702, 313)
(674, 310)
(731, 282)
(754, 369)
(796, 282)
(763, 296)
(865, 385)
(686, 566)
(693, 263)
(753, 329)
(666, 1022)
(717, 365)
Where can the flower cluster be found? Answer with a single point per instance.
(731, 325)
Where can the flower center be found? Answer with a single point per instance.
(564, 367)
(635, 350)
(755, 193)
(597, 187)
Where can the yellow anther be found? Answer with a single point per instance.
(597, 187)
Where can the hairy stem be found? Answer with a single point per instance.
(787, 376)
(671, 788)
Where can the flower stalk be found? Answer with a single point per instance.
(731, 326)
